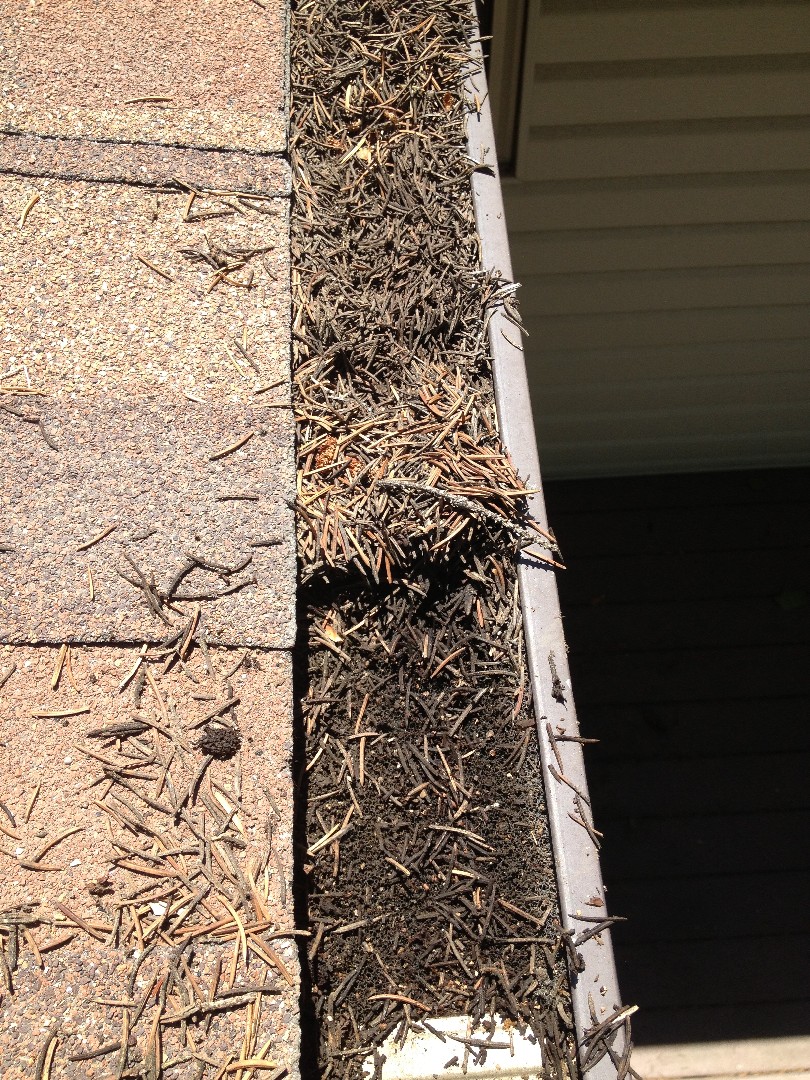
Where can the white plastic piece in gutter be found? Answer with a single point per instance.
(579, 878)
(424, 1056)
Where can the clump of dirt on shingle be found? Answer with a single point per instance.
(220, 741)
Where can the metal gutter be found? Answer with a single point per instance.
(579, 878)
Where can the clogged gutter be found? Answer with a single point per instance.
(426, 869)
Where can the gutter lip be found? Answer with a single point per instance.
(579, 877)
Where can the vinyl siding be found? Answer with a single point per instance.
(659, 220)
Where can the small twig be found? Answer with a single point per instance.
(469, 506)
(43, 1066)
(96, 539)
(153, 268)
(29, 206)
(233, 447)
(88, 1055)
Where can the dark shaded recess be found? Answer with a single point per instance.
(308, 1020)
(687, 614)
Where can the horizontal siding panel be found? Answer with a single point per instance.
(548, 369)
(759, 782)
(646, 290)
(664, 148)
(751, 63)
(644, 328)
(570, 7)
(658, 97)
(771, 28)
(767, 969)
(719, 844)
(725, 674)
(592, 250)
(553, 368)
(618, 581)
(710, 424)
(569, 454)
(669, 529)
(677, 1021)
(614, 397)
(640, 733)
(770, 1058)
(656, 201)
(703, 908)
(731, 530)
(763, 490)
(612, 629)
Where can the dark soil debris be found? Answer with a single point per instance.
(220, 742)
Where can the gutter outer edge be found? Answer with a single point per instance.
(579, 877)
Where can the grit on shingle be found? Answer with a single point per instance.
(115, 288)
(143, 469)
(206, 73)
(54, 780)
(147, 550)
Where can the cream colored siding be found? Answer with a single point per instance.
(660, 223)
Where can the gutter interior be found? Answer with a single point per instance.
(425, 867)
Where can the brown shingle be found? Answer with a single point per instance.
(80, 68)
(142, 163)
(145, 466)
(85, 315)
(88, 880)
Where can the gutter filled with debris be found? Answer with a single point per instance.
(426, 870)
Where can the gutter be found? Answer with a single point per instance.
(594, 989)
